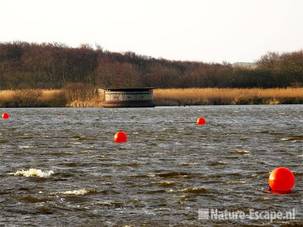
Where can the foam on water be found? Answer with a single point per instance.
(24, 147)
(241, 151)
(194, 190)
(33, 173)
(82, 191)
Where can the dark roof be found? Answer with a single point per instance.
(129, 89)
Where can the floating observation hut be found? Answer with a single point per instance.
(128, 97)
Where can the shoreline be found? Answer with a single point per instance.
(162, 97)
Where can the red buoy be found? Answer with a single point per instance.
(201, 121)
(281, 180)
(120, 137)
(5, 116)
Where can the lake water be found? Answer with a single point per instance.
(168, 170)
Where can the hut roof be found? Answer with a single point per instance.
(129, 89)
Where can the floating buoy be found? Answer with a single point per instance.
(201, 121)
(281, 180)
(120, 137)
(5, 116)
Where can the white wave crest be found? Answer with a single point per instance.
(33, 173)
(82, 191)
(241, 151)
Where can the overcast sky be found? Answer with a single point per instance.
(199, 30)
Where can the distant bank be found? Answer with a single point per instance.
(73, 97)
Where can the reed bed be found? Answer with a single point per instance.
(91, 97)
(227, 96)
(67, 97)
(32, 98)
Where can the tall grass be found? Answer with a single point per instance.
(73, 95)
(82, 95)
(32, 98)
(227, 96)
(78, 96)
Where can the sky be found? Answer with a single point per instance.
(189, 30)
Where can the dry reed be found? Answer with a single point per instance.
(32, 98)
(162, 97)
(227, 96)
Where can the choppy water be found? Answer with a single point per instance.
(168, 170)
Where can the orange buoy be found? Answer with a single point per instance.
(5, 116)
(281, 180)
(120, 137)
(201, 121)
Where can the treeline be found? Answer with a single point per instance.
(28, 65)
